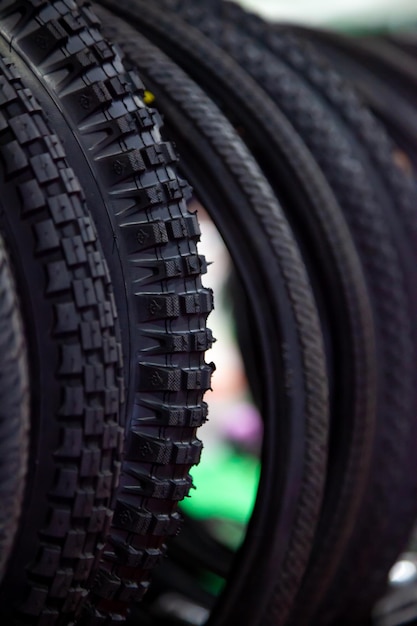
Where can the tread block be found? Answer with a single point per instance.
(58, 277)
(87, 100)
(127, 518)
(162, 153)
(119, 167)
(84, 567)
(42, 41)
(74, 597)
(59, 523)
(61, 583)
(179, 342)
(74, 250)
(143, 236)
(111, 351)
(66, 481)
(73, 24)
(176, 190)
(71, 359)
(7, 92)
(154, 378)
(55, 147)
(47, 561)
(84, 292)
(71, 183)
(148, 449)
(61, 208)
(94, 421)
(111, 401)
(158, 307)
(107, 313)
(112, 435)
(47, 238)
(83, 503)
(44, 168)
(98, 519)
(104, 485)
(174, 267)
(145, 118)
(94, 379)
(171, 415)
(132, 557)
(72, 442)
(15, 158)
(86, 229)
(195, 341)
(91, 335)
(98, 267)
(132, 592)
(184, 227)
(66, 318)
(188, 453)
(90, 462)
(105, 585)
(195, 264)
(73, 405)
(24, 129)
(150, 487)
(197, 379)
(201, 302)
(154, 195)
(166, 525)
(33, 198)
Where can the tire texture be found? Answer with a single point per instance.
(74, 361)
(386, 90)
(324, 231)
(149, 238)
(14, 410)
(230, 185)
(340, 131)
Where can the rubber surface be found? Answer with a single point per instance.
(339, 132)
(74, 359)
(331, 120)
(230, 186)
(149, 238)
(386, 89)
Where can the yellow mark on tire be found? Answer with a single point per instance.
(148, 97)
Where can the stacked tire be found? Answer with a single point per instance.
(310, 181)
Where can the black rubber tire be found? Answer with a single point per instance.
(389, 93)
(231, 188)
(149, 240)
(339, 132)
(324, 234)
(74, 360)
(14, 410)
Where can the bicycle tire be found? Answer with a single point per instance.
(327, 213)
(149, 69)
(74, 354)
(368, 139)
(369, 144)
(149, 240)
(387, 94)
